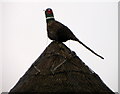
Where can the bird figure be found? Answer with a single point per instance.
(59, 32)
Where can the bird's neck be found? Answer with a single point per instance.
(50, 19)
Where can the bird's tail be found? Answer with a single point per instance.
(89, 49)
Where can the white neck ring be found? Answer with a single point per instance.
(49, 18)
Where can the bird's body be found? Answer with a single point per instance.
(59, 32)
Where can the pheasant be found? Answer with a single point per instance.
(59, 32)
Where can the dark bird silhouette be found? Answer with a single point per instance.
(59, 32)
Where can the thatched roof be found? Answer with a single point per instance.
(58, 69)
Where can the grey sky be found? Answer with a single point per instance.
(24, 37)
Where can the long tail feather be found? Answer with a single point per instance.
(89, 49)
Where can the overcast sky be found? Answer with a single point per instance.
(24, 36)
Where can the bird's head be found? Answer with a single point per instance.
(49, 13)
